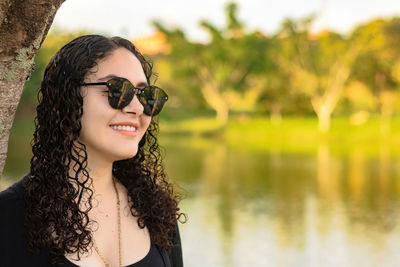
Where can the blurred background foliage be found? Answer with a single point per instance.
(249, 85)
(293, 72)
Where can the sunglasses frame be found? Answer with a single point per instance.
(119, 102)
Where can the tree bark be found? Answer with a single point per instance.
(213, 97)
(23, 26)
(387, 100)
(324, 118)
(325, 105)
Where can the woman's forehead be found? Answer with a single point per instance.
(120, 63)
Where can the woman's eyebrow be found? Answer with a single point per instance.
(109, 76)
(141, 84)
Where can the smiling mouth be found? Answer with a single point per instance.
(126, 130)
(123, 128)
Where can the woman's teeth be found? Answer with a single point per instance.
(123, 128)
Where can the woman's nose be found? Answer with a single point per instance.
(134, 106)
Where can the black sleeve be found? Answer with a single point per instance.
(4, 231)
(176, 253)
(11, 226)
(13, 244)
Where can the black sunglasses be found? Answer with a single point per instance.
(121, 92)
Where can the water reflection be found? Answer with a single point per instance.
(268, 208)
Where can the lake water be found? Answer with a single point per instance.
(271, 208)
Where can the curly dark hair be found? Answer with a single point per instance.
(54, 220)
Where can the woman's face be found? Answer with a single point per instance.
(110, 134)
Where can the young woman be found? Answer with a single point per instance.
(96, 194)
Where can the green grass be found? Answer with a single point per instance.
(291, 134)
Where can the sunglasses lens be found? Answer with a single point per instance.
(153, 100)
(121, 93)
(119, 96)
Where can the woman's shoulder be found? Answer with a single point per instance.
(12, 203)
(14, 195)
(13, 250)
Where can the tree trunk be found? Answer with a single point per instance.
(324, 119)
(23, 26)
(213, 97)
(387, 102)
(275, 113)
(216, 101)
(325, 105)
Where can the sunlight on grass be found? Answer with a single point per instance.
(196, 126)
(291, 134)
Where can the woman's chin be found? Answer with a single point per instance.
(125, 156)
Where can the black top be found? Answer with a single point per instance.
(152, 259)
(13, 243)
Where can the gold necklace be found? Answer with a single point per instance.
(119, 233)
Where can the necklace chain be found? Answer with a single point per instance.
(119, 232)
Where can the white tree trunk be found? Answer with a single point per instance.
(212, 95)
(324, 119)
(325, 105)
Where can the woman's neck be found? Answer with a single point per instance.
(100, 172)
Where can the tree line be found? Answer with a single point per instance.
(293, 72)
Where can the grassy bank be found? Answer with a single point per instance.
(291, 134)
